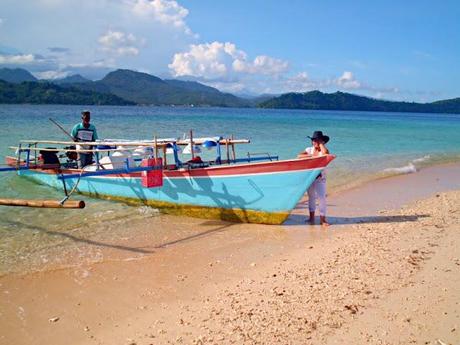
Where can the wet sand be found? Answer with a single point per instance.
(385, 269)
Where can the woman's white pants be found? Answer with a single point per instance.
(317, 190)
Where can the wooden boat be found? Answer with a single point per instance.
(254, 189)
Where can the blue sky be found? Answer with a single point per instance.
(401, 50)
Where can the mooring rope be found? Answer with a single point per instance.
(72, 190)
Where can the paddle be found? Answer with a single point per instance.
(62, 129)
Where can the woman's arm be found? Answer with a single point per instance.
(303, 154)
(323, 149)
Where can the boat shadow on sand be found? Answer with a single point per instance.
(220, 226)
(297, 219)
(77, 238)
(216, 227)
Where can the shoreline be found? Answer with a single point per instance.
(342, 187)
(340, 212)
(360, 199)
(217, 282)
(337, 215)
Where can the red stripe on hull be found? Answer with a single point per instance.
(255, 168)
(225, 170)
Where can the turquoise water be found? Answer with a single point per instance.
(367, 144)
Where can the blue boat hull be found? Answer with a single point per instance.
(257, 197)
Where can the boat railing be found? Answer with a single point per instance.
(126, 170)
(258, 156)
(195, 165)
(224, 150)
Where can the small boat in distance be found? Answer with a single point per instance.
(257, 188)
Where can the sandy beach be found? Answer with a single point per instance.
(385, 272)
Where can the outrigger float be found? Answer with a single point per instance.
(257, 188)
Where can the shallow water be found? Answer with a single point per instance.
(368, 145)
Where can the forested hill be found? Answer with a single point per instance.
(346, 101)
(131, 86)
(143, 88)
(47, 93)
(16, 75)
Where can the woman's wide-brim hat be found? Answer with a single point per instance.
(318, 135)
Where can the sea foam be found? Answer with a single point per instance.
(407, 169)
(422, 159)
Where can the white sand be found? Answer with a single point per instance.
(388, 277)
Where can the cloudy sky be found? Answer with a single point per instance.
(401, 50)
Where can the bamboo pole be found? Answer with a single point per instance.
(43, 203)
(191, 143)
(70, 150)
(228, 150)
(107, 143)
(156, 146)
(160, 142)
(233, 149)
(165, 162)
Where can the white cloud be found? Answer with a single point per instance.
(348, 81)
(21, 59)
(135, 34)
(120, 43)
(164, 11)
(232, 86)
(284, 83)
(222, 60)
(163, 23)
(108, 63)
(262, 64)
(208, 60)
(51, 74)
(301, 82)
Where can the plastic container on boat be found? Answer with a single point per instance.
(115, 161)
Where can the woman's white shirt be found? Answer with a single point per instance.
(310, 151)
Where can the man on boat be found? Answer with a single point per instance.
(84, 131)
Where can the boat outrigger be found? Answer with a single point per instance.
(258, 188)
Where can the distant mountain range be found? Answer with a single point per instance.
(126, 87)
(345, 101)
(137, 88)
(143, 88)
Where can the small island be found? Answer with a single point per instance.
(317, 100)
